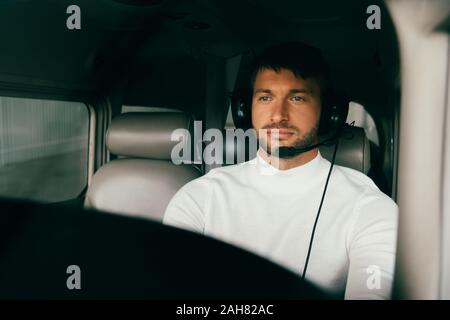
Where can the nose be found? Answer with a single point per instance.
(280, 112)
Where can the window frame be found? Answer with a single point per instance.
(31, 92)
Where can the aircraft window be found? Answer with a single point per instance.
(126, 109)
(43, 149)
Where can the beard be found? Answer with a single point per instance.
(287, 152)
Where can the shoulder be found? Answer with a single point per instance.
(359, 182)
(231, 173)
(215, 176)
(368, 199)
(354, 178)
(373, 215)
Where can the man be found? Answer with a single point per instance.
(271, 209)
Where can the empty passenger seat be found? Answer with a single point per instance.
(143, 179)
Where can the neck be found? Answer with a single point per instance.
(285, 164)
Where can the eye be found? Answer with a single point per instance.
(298, 99)
(264, 98)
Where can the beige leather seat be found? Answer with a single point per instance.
(353, 150)
(143, 179)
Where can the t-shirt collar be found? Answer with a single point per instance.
(307, 169)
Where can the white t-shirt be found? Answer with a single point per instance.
(271, 212)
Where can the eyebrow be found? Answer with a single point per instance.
(295, 90)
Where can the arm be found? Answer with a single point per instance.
(372, 249)
(186, 209)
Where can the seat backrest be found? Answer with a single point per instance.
(353, 150)
(143, 179)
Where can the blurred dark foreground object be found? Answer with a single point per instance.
(126, 258)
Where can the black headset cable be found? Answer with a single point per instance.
(320, 208)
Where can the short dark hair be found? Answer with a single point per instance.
(303, 60)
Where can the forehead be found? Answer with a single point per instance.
(283, 79)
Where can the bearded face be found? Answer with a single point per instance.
(285, 112)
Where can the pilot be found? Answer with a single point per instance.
(328, 223)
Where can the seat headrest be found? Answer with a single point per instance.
(146, 135)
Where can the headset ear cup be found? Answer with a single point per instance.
(324, 122)
(340, 112)
(241, 108)
(334, 114)
(325, 115)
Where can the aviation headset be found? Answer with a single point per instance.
(333, 115)
(332, 120)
